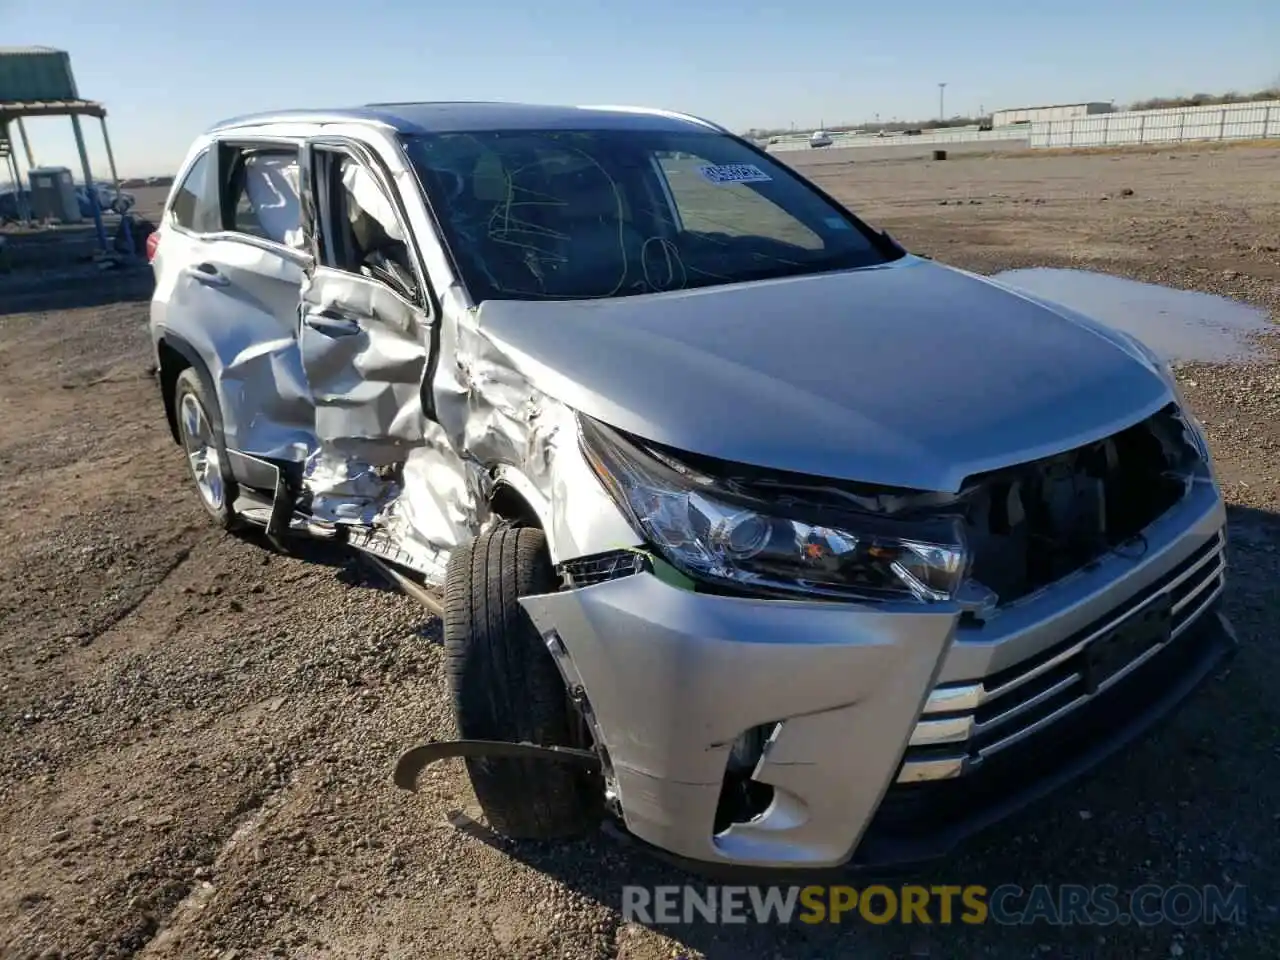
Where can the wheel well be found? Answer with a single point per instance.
(508, 504)
(172, 363)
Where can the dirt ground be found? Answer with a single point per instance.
(196, 734)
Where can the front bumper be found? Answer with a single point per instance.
(866, 765)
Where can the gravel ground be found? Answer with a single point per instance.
(196, 733)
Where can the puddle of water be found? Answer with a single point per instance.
(1179, 325)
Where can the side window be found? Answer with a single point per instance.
(195, 202)
(266, 202)
(731, 208)
(363, 234)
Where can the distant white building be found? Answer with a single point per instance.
(1061, 111)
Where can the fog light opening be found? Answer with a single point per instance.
(743, 799)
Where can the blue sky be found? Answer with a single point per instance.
(165, 69)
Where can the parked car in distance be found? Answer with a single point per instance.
(109, 199)
(752, 530)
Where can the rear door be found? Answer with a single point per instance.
(229, 270)
(365, 312)
(261, 256)
(191, 213)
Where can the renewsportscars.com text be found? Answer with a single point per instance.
(1008, 904)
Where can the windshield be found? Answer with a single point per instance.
(562, 214)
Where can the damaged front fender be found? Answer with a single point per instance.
(494, 427)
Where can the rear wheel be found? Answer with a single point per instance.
(505, 686)
(206, 451)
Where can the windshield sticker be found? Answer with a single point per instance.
(734, 173)
(835, 223)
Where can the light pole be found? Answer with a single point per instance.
(942, 113)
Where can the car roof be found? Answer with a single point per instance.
(471, 116)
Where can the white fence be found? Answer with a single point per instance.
(800, 141)
(1231, 121)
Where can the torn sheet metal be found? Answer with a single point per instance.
(438, 508)
(364, 349)
(488, 407)
(492, 427)
(364, 353)
(266, 384)
(346, 490)
(493, 411)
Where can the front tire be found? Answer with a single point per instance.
(505, 686)
(206, 451)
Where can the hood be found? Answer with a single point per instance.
(910, 374)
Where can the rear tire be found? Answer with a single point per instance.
(200, 435)
(505, 686)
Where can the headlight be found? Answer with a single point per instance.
(716, 535)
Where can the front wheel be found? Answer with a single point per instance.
(506, 686)
(205, 449)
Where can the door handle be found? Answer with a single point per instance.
(331, 324)
(207, 274)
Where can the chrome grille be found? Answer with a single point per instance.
(964, 723)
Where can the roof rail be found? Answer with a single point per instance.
(655, 111)
(340, 115)
(428, 103)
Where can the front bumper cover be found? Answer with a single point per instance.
(917, 824)
(673, 678)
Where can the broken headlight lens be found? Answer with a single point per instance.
(714, 535)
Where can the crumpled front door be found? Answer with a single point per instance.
(364, 337)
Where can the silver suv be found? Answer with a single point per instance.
(780, 545)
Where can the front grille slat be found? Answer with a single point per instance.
(964, 723)
(1199, 588)
(1021, 734)
(1214, 594)
(953, 698)
(1017, 710)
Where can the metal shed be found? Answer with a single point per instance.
(38, 82)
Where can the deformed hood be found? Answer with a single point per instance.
(910, 374)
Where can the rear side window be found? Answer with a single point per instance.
(267, 204)
(195, 202)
